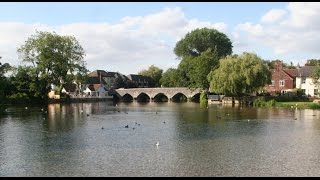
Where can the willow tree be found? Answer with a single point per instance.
(56, 59)
(239, 75)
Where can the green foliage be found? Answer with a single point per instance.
(203, 99)
(5, 85)
(312, 62)
(200, 40)
(314, 106)
(19, 98)
(171, 78)
(196, 69)
(261, 102)
(199, 51)
(239, 75)
(154, 72)
(54, 59)
(315, 74)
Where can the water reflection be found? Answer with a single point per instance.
(68, 140)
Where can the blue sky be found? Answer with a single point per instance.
(130, 36)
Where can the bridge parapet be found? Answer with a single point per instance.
(152, 92)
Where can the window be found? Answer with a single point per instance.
(315, 92)
(303, 80)
(272, 83)
(281, 83)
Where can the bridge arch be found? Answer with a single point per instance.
(179, 97)
(196, 97)
(145, 94)
(127, 98)
(143, 97)
(160, 97)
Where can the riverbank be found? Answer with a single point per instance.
(79, 100)
(304, 105)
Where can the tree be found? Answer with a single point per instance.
(171, 78)
(312, 62)
(239, 75)
(200, 51)
(196, 69)
(315, 74)
(200, 40)
(4, 82)
(55, 59)
(154, 72)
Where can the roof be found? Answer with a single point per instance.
(291, 72)
(70, 87)
(136, 77)
(305, 71)
(93, 80)
(97, 73)
(103, 73)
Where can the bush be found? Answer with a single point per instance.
(261, 102)
(204, 99)
(314, 106)
(19, 98)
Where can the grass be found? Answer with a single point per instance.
(307, 105)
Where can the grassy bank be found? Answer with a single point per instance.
(262, 102)
(307, 105)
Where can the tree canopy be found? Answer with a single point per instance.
(238, 75)
(196, 69)
(171, 78)
(200, 51)
(154, 72)
(200, 40)
(56, 59)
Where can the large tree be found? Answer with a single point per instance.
(154, 72)
(239, 75)
(4, 82)
(200, 40)
(196, 69)
(56, 59)
(200, 51)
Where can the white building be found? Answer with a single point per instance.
(305, 82)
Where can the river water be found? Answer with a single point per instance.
(101, 139)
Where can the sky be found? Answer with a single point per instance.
(128, 37)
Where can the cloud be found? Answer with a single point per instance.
(293, 30)
(127, 46)
(273, 15)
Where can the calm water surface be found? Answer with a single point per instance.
(90, 139)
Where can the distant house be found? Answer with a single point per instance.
(283, 80)
(110, 80)
(95, 87)
(95, 90)
(305, 82)
(141, 81)
(70, 89)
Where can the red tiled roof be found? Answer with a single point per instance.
(291, 72)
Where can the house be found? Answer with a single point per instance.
(283, 80)
(305, 82)
(95, 87)
(141, 81)
(71, 89)
(110, 80)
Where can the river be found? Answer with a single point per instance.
(101, 139)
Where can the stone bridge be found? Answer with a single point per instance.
(152, 93)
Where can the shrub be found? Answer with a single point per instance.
(261, 102)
